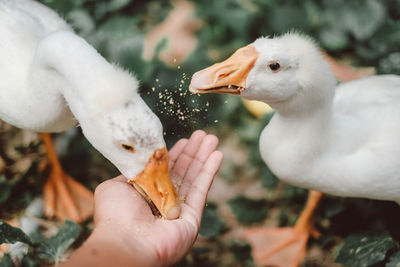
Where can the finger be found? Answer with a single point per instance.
(208, 146)
(187, 155)
(197, 195)
(175, 151)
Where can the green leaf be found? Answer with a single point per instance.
(5, 189)
(160, 47)
(120, 40)
(365, 249)
(116, 5)
(10, 234)
(248, 210)
(390, 64)
(29, 261)
(211, 224)
(242, 252)
(333, 39)
(279, 22)
(55, 247)
(268, 179)
(394, 260)
(6, 261)
(81, 20)
(370, 16)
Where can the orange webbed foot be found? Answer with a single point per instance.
(64, 197)
(284, 247)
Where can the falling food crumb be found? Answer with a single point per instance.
(153, 89)
(216, 121)
(179, 104)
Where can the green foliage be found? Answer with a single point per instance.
(248, 210)
(50, 249)
(6, 261)
(211, 224)
(376, 223)
(10, 234)
(242, 252)
(5, 189)
(55, 247)
(394, 260)
(364, 28)
(365, 31)
(365, 249)
(29, 261)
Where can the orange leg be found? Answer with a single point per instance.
(63, 196)
(285, 247)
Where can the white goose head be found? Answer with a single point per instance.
(127, 133)
(112, 115)
(287, 72)
(125, 130)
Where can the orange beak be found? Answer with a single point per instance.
(155, 185)
(228, 76)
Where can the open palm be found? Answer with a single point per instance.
(193, 165)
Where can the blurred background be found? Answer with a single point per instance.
(163, 43)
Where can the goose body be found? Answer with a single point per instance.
(22, 25)
(339, 139)
(51, 79)
(350, 149)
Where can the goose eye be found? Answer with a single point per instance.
(274, 66)
(128, 148)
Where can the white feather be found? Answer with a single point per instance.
(340, 140)
(50, 79)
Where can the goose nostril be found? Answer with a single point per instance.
(224, 74)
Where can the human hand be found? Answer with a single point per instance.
(124, 217)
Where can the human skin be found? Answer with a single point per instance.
(126, 232)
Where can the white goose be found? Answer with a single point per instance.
(51, 79)
(342, 140)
